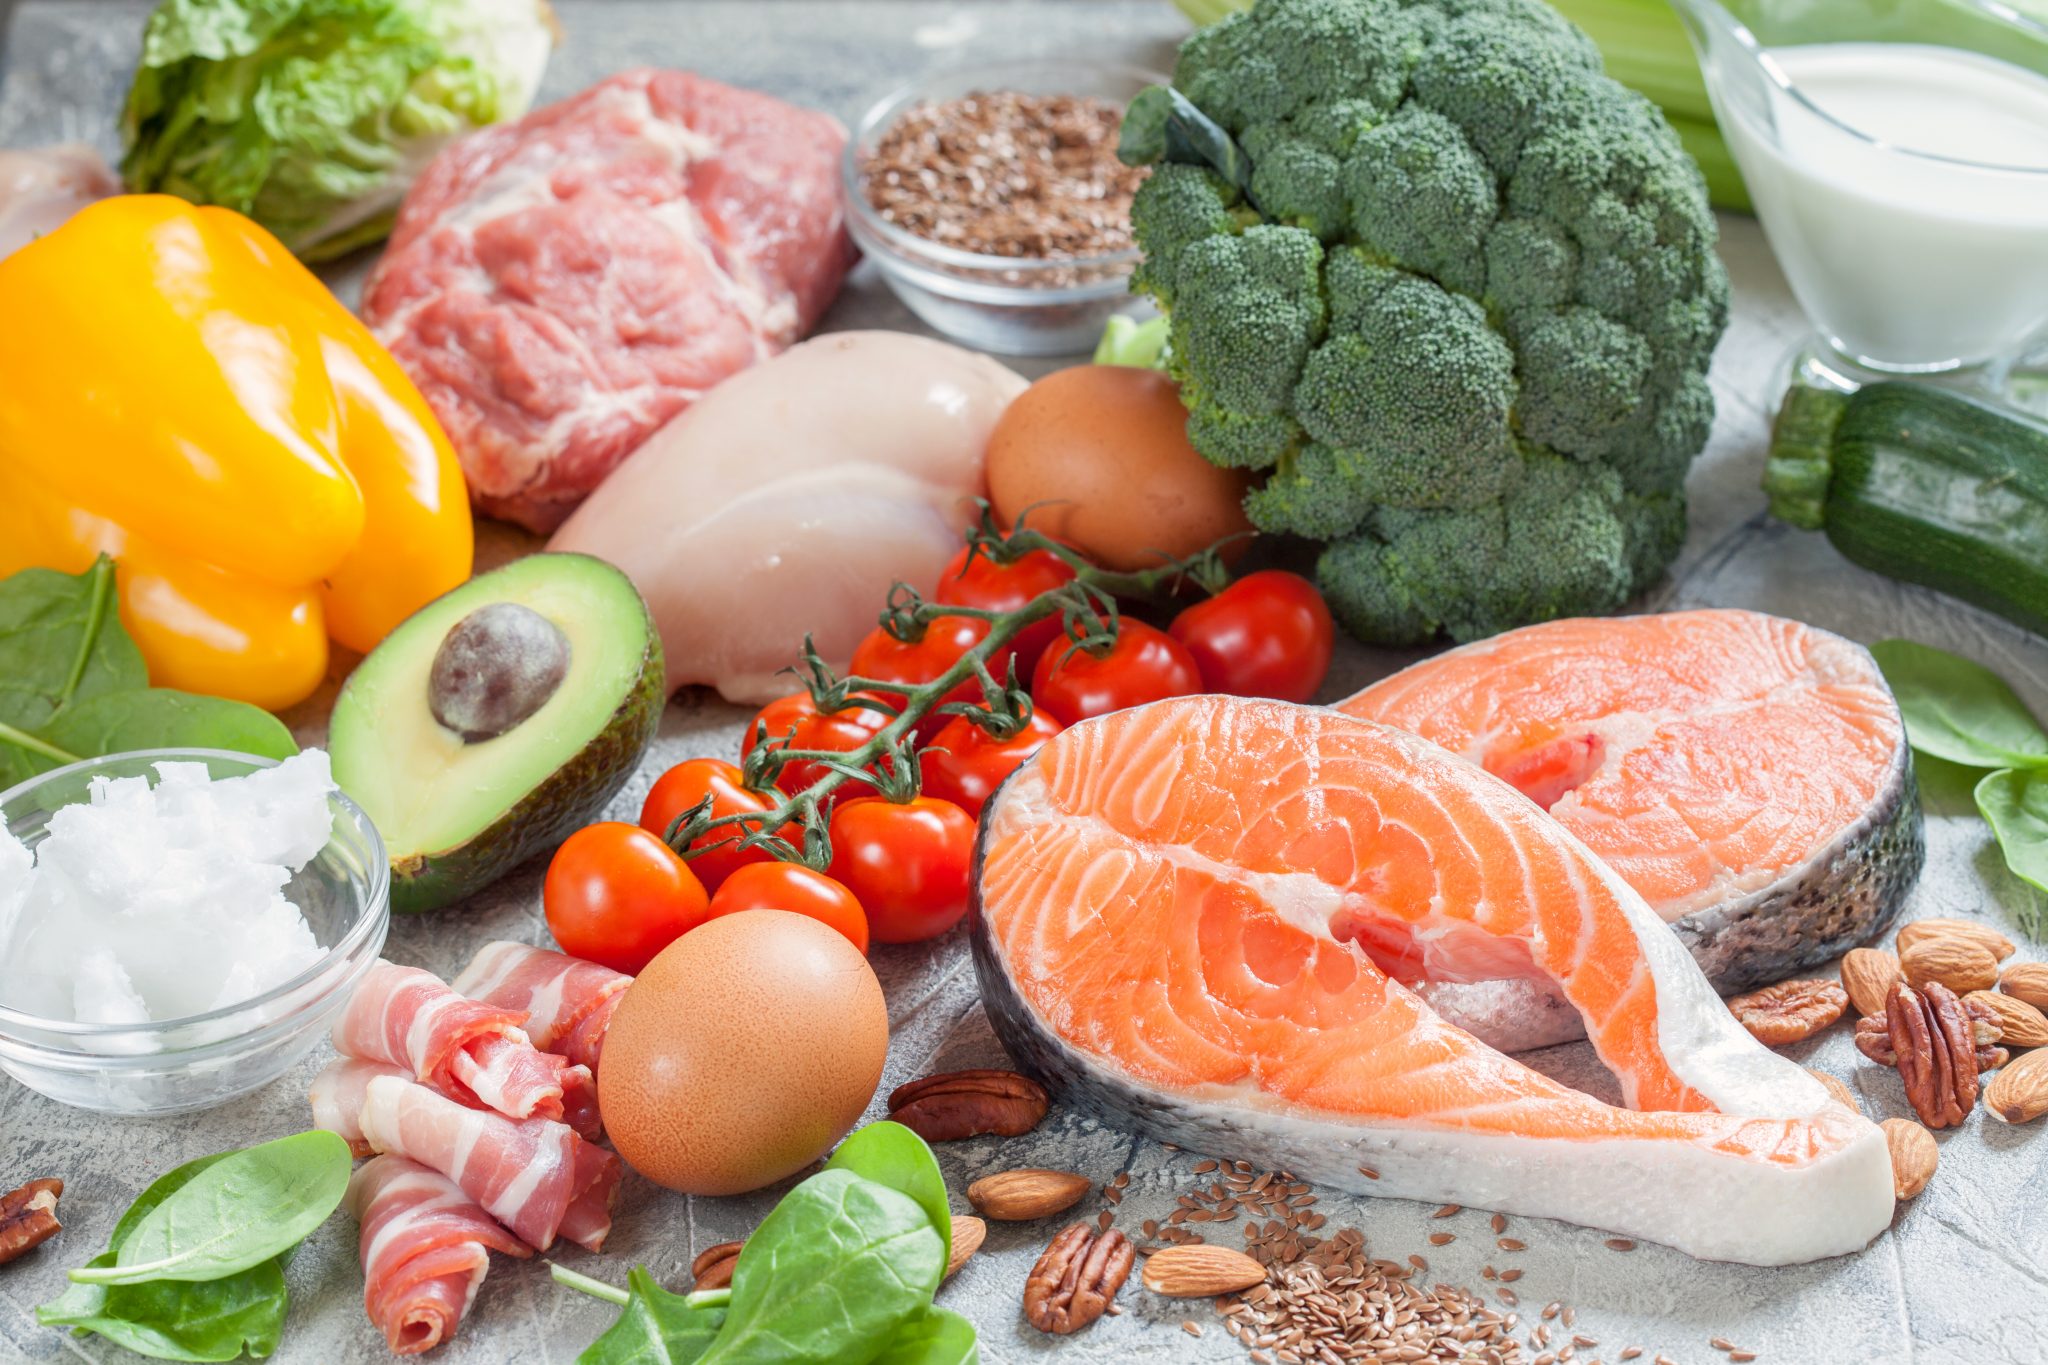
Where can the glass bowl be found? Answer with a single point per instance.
(175, 1066)
(1013, 305)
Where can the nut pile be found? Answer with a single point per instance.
(1000, 173)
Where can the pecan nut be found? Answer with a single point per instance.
(1077, 1279)
(964, 1104)
(1938, 1042)
(28, 1217)
(1789, 1012)
(713, 1267)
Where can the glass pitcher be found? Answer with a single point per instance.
(1906, 259)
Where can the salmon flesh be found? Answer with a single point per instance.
(1196, 918)
(1749, 775)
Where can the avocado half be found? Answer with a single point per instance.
(497, 720)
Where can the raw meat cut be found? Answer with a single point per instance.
(536, 1176)
(1749, 775)
(474, 1051)
(41, 189)
(568, 1002)
(561, 286)
(1192, 917)
(425, 1247)
(803, 489)
(337, 1098)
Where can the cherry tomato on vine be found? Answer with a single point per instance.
(1268, 634)
(882, 655)
(834, 731)
(1145, 664)
(688, 783)
(906, 862)
(990, 586)
(965, 766)
(797, 889)
(617, 895)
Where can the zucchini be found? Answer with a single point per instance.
(1920, 484)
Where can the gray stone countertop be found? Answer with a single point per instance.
(1962, 1276)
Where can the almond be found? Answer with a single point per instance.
(2019, 1092)
(1983, 935)
(2020, 1024)
(2027, 981)
(1838, 1089)
(1868, 974)
(969, 1233)
(1198, 1271)
(1914, 1156)
(1963, 965)
(1019, 1196)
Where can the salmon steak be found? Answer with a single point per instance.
(1195, 919)
(1749, 775)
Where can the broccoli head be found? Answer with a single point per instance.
(1456, 291)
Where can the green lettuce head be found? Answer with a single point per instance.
(313, 116)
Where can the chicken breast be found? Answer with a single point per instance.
(39, 190)
(789, 498)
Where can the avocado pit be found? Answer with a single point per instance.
(500, 664)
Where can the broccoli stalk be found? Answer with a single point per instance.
(1452, 287)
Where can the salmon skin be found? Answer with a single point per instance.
(1748, 774)
(1191, 919)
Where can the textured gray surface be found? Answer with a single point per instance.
(1962, 1276)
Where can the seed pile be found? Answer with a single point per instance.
(1002, 173)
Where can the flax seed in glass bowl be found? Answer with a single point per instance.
(992, 201)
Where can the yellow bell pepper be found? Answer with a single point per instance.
(177, 391)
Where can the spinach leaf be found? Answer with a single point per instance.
(235, 1213)
(2015, 805)
(159, 718)
(830, 1276)
(177, 1319)
(73, 685)
(1959, 710)
(1162, 124)
(937, 1336)
(890, 1154)
(656, 1328)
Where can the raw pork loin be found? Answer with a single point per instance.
(561, 286)
(39, 190)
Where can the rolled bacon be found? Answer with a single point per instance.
(535, 1176)
(426, 1248)
(568, 1003)
(337, 1096)
(474, 1050)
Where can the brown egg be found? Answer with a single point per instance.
(743, 1052)
(1105, 449)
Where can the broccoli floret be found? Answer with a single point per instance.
(1475, 359)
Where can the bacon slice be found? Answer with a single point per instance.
(568, 1002)
(529, 1173)
(425, 1247)
(473, 1050)
(337, 1096)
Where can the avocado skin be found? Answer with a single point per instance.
(538, 822)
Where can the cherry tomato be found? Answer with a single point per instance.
(617, 895)
(688, 783)
(965, 766)
(991, 586)
(1266, 635)
(906, 862)
(1145, 664)
(882, 655)
(797, 889)
(837, 731)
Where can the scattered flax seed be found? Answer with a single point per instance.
(1663, 1360)
(1740, 1356)
(1204, 1167)
(1510, 1297)
(1511, 1244)
(1192, 1328)
(1104, 1219)
(1445, 1211)
(1510, 1276)
(1442, 1239)
(1488, 1273)
(1570, 1316)
(1500, 1223)
(1620, 1244)
(1419, 1263)
(1721, 1343)
(1113, 1194)
(1551, 1309)
(1584, 1341)
(1369, 1173)
(1630, 1352)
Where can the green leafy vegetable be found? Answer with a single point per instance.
(841, 1272)
(2015, 805)
(209, 1320)
(1161, 124)
(73, 685)
(237, 1212)
(313, 116)
(1957, 709)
